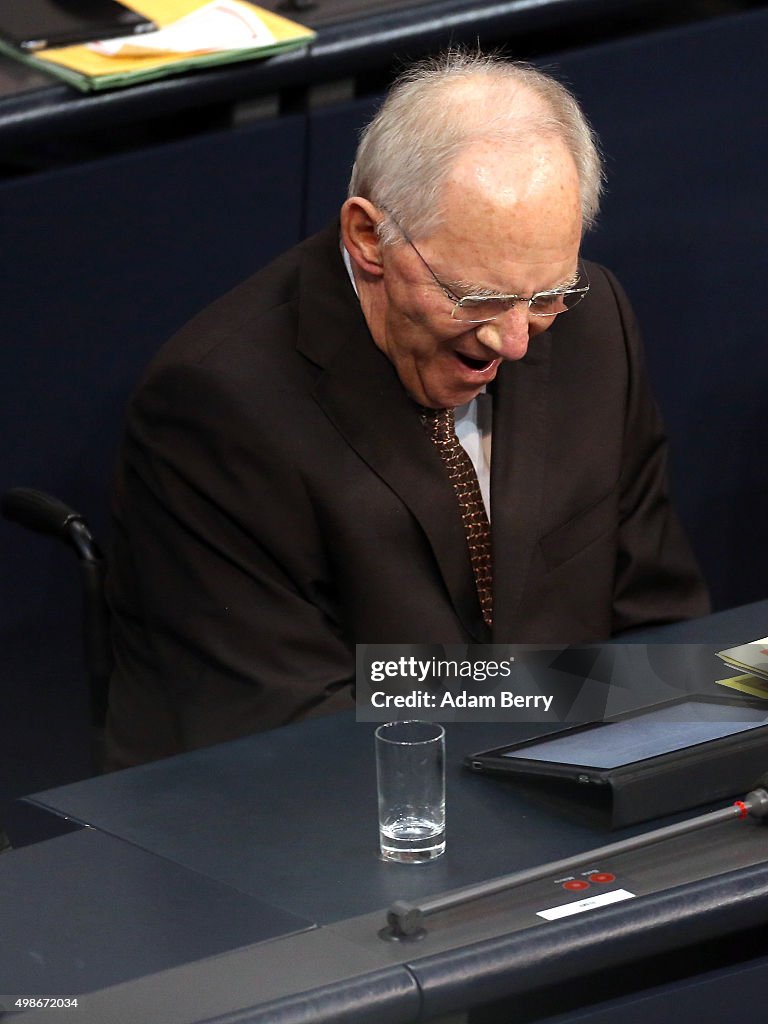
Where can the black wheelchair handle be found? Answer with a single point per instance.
(43, 513)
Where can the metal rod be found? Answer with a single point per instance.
(405, 920)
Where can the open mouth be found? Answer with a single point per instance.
(475, 364)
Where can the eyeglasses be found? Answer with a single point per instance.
(481, 309)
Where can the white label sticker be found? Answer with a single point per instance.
(590, 903)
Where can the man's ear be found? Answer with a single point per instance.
(359, 218)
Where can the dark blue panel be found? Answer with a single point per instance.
(85, 911)
(681, 116)
(331, 143)
(101, 262)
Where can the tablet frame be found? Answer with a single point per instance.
(665, 783)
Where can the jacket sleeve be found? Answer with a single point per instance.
(222, 621)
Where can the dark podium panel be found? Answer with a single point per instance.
(85, 911)
(288, 819)
(495, 958)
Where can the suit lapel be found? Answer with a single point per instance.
(517, 473)
(361, 394)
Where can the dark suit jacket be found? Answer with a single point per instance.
(278, 501)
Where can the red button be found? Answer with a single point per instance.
(602, 876)
(576, 885)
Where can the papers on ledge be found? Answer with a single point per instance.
(244, 30)
(219, 25)
(752, 661)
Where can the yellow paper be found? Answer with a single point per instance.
(163, 12)
(93, 65)
(751, 685)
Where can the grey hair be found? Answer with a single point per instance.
(440, 106)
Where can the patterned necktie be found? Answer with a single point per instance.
(440, 425)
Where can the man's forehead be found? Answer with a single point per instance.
(506, 174)
(530, 214)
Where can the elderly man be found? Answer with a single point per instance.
(292, 482)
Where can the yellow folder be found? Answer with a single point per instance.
(89, 71)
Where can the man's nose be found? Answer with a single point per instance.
(507, 336)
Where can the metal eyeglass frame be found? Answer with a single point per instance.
(507, 300)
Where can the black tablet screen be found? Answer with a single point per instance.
(29, 24)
